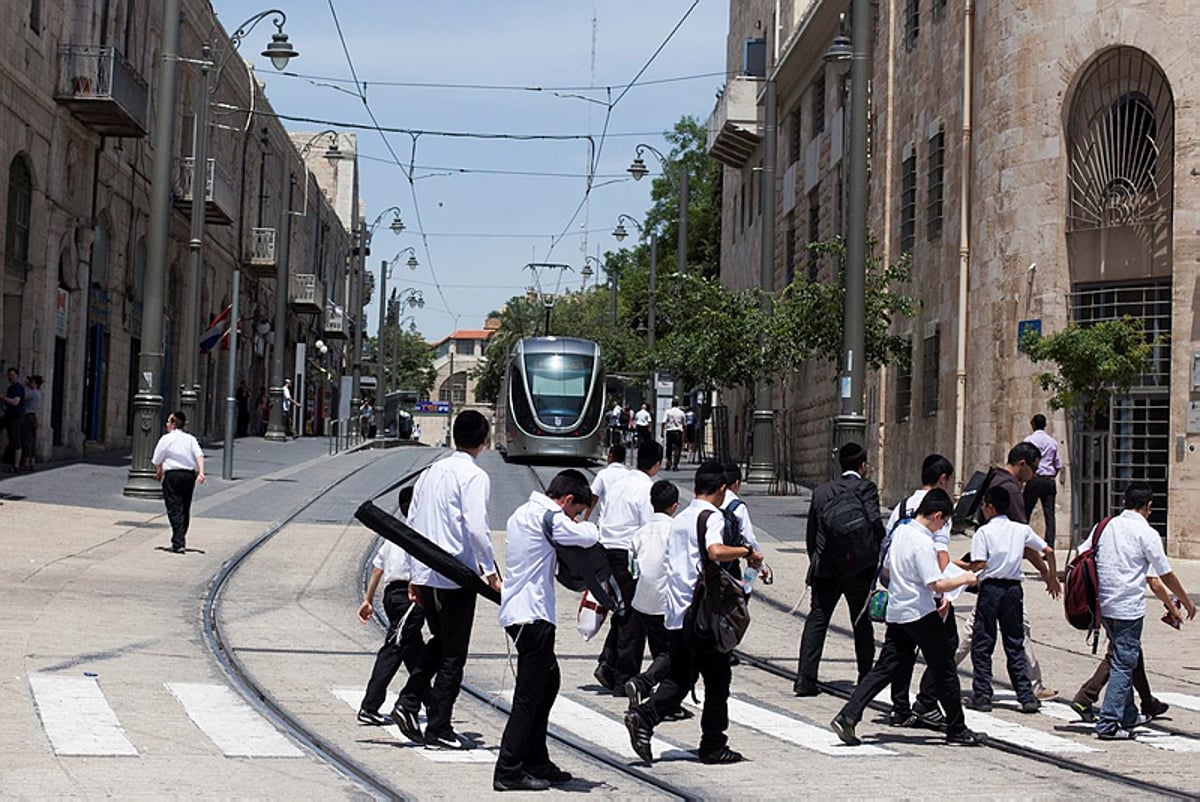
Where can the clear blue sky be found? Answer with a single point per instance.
(543, 43)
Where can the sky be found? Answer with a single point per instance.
(474, 232)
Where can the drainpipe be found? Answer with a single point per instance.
(964, 252)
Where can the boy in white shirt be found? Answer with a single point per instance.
(649, 554)
(997, 550)
(606, 478)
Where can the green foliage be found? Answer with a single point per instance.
(1092, 362)
(409, 360)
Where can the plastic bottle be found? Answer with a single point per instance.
(748, 577)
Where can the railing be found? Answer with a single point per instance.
(306, 292)
(218, 189)
(344, 434)
(103, 89)
(262, 247)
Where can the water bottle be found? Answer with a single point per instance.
(748, 577)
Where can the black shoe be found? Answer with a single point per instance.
(372, 719)
(722, 755)
(1119, 734)
(451, 740)
(805, 689)
(966, 738)
(525, 782)
(409, 723)
(604, 675)
(177, 549)
(931, 718)
(980, 706)
(678, 714)
(1085, 711)
(1031, 706)
(633, 692)
(1154, 708)
(639, 735)
(844, 730)
(550, 773)
(903, 718)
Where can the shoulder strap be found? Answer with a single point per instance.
(701, 525)
(733, 505)
(548, 525)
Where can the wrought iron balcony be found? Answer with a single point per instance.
(733, 130)
(102, 90)
(260, 253)
(307, 295)
(219, 197)
(336, 327)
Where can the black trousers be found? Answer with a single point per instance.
(1043, 489)
(523, 745)
(825, 595)
(1001, 601)
(450, 614)
(403, 643)
(626, 640)
(692, 658)
(643, 434)
(927, 692)
(1089, 692)
(674, 447)
(899, 654)
(178, 486)
(659, 641)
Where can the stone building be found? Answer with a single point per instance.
(456, 356)
(77, 97)
(1036, 159)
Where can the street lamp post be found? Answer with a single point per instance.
(548, 299)
(762, 443)
(364, 234)
(380, 342)
(619, 233)
(148, 402)
(587, 271)
(638, 170)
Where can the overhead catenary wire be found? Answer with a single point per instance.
(499, 87)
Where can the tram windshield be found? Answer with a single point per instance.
(558, 383)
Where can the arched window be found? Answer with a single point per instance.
(454, 388)
(17, 224)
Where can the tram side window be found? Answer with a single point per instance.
(558, 383)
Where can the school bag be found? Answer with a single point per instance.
(850, 543)
(877, 601)
(584, 568)
(1081, 589)
(718, 612)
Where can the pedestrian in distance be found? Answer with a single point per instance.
(527, 615)
(844, 532)
(997, 549)
(14, 414)
(29, 423)
(612, 420)
(692, 655)
(914, 621)
(643, 423)
(739, 530)
(243, 409)
(689, 431)
(179, 464)
(673, 425)
(449, 507)
(606, 478)
(648, 562)
(402, 642)
(1129, 549)
(1043, 485)
(288, 404)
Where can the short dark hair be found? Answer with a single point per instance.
(1138, 495)
(936, 500)
(935, 467)
(851, 456)
(617, 452)
(710, 477)
(1038, 422)
(405, 499)
(570, 483)
(663, 495)
(1025, 452)
(649, 453)
(180, 418)
(470, 429)
(733, 474)
(998, 497)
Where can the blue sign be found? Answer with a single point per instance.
(1026, 326)
(433, 407)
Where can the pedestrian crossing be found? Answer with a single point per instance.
(353, 697)
(77, 718)
(231, 724)
(1146, 736)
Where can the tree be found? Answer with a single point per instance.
(409, 360)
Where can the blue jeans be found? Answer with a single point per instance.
(1118, 709)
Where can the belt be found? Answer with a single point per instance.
(180, 470)
(1005, 582)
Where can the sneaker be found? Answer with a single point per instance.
(408, 722)
(550, 773)
(980, 706)
(639, 735)
(1119, 734)
(966, 738)
(1141, 720)
(177, 549)
(525, 782)
(1045, 693)
(633, 692)
(1085, 711)
(678, 714)
(1031, 706)
(903, 718)
(930, 718)
(604, 676)
(451, 740)
(722, 755)
(1154, 708)
(805, 689)
(372, 719)
(844, 730)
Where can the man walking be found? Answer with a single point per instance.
(14, 414)
(607, 478)
(179, 465)
(449, 507)
(1129, 549)
(673, 423)
(642, 422)
(843, 537)
(1043, 485)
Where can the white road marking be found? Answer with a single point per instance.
(1184, 700)
(1021, 735)
(795, 731)
(1145, 735)
(77, 718)
(353, 696)
(230, 723)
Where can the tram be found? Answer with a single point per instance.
(552, 400)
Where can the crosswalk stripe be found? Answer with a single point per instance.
(230, 723)
(77, 718)
(795, 731)
(353, 696)
(1021, 735)
(1145, 735)
(1184, 700)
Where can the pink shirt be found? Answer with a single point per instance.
(1050, 465)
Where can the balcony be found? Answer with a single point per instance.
(260, 253)
(218, 196)
(307, 295)
(733, 130)
(336, 327)
(102, 90)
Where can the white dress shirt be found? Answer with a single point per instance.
(650, 549)
(626, 510)
(528, 591)
(683, 556)
(606, 477)
(642, 418)
(394, 562)
(177, 451)
(673, 420)
(1130, 550)
(449, 507)
(1001, 543)
(912, 566)
(743, 516)
(941, 538)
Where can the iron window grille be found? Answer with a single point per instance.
(908, 200)
(814, 231)
(933, 206)
(904, 376)
(930, 374)
(818, 104)
(912, 24)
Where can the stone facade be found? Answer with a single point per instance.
(1007, 165)
(73, 295)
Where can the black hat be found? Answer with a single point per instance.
(851, 454)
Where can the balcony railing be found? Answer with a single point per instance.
(335, 323)
(733, 132)
(306, 293)
(260, 253)
(218, 192)
(102, 90)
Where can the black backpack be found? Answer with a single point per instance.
(584, 568)
(718, 614)
(850, 543)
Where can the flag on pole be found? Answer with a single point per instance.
(215, 331)
(225, 337)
